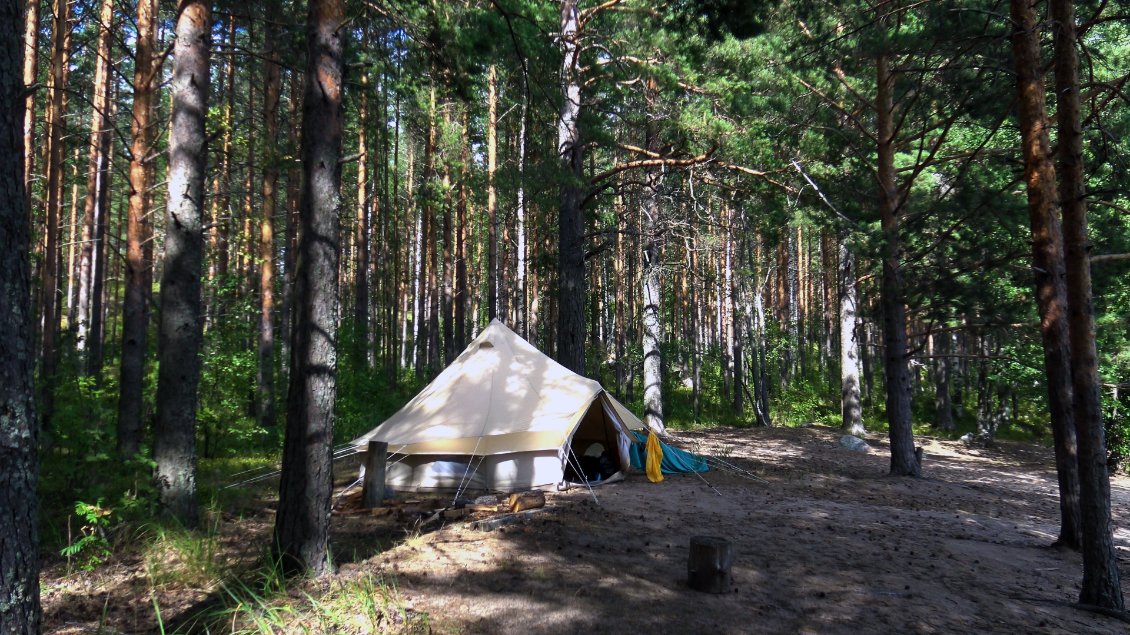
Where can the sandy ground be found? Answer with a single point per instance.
(824, 543)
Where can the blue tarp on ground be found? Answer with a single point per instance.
(675, 461)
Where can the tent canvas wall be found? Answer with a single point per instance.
(501, 417)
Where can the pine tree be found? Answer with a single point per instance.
(302, 523)
(19, 461)
(181, 323)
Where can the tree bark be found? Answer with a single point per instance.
(895, 358)
(725, 321)
(19, 462)
(851, 409)
(221, 203)
(96, 339)
(570, 246)
(1047, 263)
(181, 326)
(302, 523)
(97, 173)
(419, 274)
(1101, 578)
(246, 242)
(691, 248)
(796, 348)
(49, 305)
(265, 369)
(361, 350)
(736, 242)
(135, 310)
(943, 404)
(652, 286)
(761, 379)
(431, 203)
(462, 299)
(30, 76)
(492, 205)
(293, 183)
(523, 293)
(72, 241)
(449, 351)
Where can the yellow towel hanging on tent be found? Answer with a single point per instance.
(654, 458)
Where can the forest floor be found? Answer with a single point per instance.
(824, 542)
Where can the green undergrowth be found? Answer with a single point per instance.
(366, 604)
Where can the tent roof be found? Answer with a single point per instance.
(500, 395)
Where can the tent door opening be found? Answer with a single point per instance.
(596, 446)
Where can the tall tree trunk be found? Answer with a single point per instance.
(904, 462)
(492, 197)
(448, 282)
(19, 462)
(1101, 580)
(94, 353)
(1047, 263)
(622, 283)
(433, 245)
(95, 176)
(764, 417)
(406, 282)
(361, 350)
(302, 523)
(293, 185)
(571, 220)
(523, 295)
(265, 373)
(419, 274)
(652, 287)
(696, 391)
(737, 238)
(829, 284)
(389, 257)
(798, 274)
(72, 242)
(222, 217)
(181, 326)
(462, 299)
(792, 288)
(427, 324)
(943, 404)
(30, 77)
(851, 409)
(49, 304)
(246, 242)
(135, 311)
(986, 425)
(396, 343)
(725, 324)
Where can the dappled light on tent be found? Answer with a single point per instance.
(501, 398)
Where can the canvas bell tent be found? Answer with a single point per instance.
(501, 417)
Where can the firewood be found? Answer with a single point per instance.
(525, 500)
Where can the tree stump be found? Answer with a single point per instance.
(708, 564)
(373, 489)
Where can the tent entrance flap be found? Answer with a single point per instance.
(598, 446)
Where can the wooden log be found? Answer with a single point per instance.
(373, 490)
(708, 564)
(525, 500)
(490, 524)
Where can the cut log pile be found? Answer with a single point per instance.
(485, 513)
